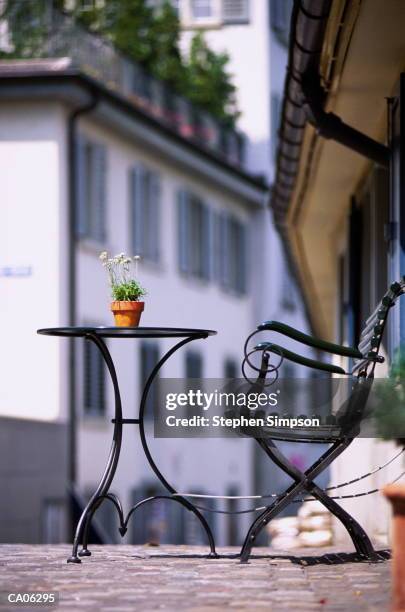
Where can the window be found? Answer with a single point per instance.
(366, 267)
(149, 358)
(235, 11)
(91, 190)
(141, 83)
(232, 253)
(145, 210)
(214, 12)
(396, 218)
(201, 13)
(94, 380)
(194, 236)
(280, 17)
(193, 534)
(201, 9)
(231, 369)
(158, 523)
(194, 365)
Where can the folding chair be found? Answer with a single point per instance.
(339, 435)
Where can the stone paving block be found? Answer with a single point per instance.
(122, 578)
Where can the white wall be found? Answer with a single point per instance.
(32, 236)
(248, 48)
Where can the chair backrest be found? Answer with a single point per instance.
(371, 336)
(351, 413)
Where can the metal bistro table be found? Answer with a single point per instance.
(97, 335)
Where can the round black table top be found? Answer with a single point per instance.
(128, 332)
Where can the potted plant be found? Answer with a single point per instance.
(126, 290)
(390, 421)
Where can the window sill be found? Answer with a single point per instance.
(234, 293)
(195, 280)
(203, 24)
(236, 21)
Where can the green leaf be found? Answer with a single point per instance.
(131, 291)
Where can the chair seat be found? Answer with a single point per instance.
(321, 434)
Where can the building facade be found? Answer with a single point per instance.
(338, 199)
(129, 166)
(138, 188)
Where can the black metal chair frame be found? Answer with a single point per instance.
(366, 357)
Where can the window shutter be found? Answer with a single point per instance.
(216, 243)
(194, 365)
(137, 198)
(154, 226)
(87, 376)
(241, 279)
(206, 250)
(280, 14)
(81, 221)
(223, 250)
(277, 15)
(100, 406)
(230, 368)
(149, 358)
(235, 11)
(99, 193)
(95, 371)
(94, 380)
(183, 231)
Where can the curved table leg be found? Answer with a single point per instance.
(184, 503)
(147, 452)
(112, 462)
(84, 552)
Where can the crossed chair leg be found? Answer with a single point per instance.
(304, 482)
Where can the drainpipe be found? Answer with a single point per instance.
(331, 126)
(72, 207)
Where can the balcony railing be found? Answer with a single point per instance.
(59, 35)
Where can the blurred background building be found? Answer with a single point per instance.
(98, 154)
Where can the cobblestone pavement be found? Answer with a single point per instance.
(124, 578)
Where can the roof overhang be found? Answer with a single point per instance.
(363, 52)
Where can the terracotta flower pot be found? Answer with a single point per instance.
(395, 493)
(127, 314)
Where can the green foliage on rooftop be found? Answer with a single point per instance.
(146, 34)
(208, 82)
